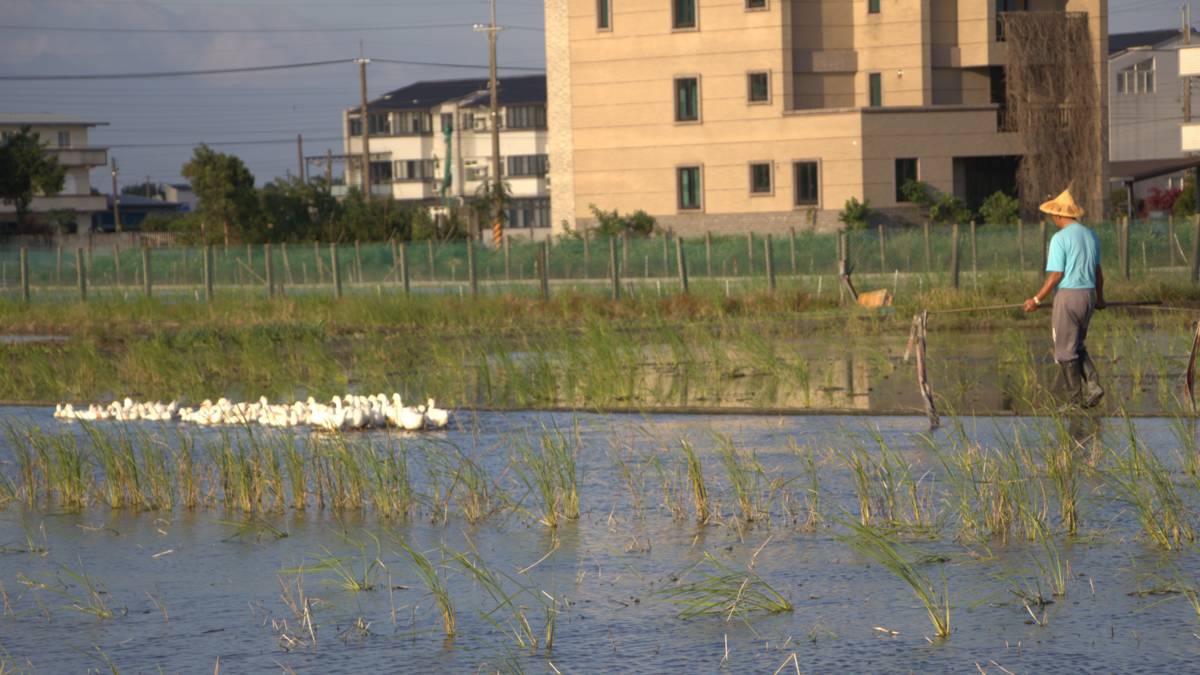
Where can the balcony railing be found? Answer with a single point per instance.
(80, 156)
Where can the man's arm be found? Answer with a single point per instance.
(1100, 304)
(1052, 280)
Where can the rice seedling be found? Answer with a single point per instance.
(1140, 480)
(695, 475)
(672, 487)
(355, 574)
(872, 544)
(435, 584)
(549, 473)
(812, 495)
(388, 481)
(516, 623)
(83, 593)
(294, 598)
(726, 592)
(745, 476)
(255, 526)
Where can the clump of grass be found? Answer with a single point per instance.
(695, 475)
(354, 574)
(516, 623)
(726, 592)
(812, 495)
(873, 544)
(435, 584)
(1142, 482)
(549, 472)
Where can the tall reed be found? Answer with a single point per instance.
(873, 544)
(434, 583)
(695, 475)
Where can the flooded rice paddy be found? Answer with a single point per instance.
(147, 548)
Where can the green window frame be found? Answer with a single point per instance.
(603, 15)
(906, 170)
(808, 183)
(875, 81)
(687, 180)
(758, 87)
(760, 178)
(687, 99)
(683, 13)
(756, 4)
(872, 6)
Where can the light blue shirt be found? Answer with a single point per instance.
(1074, 251)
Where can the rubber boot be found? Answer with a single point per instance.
(1092, 391)
(1072, 373)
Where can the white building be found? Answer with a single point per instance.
(430, 142)
(67, 139)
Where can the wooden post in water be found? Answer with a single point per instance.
(882, 249)
(335, 270)
(403, 262)
(928, 230)
(1195, 248)
(472, 277)
(1125, 248)
(544, 255)
(954, 255)
(80, 275)
(147, 271)
(681, 264)
(769, 263)
(792, 248)
(708, 254)
(24, 274)
(269, 270)
(208, 273)
(613, 271)
(917, 339)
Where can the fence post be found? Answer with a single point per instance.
(928, 227)
(666, 255)
(974, 256)
(507, 260)
(319, 262)
(882, 249)
(116, 253)
(769, 263)
(954, 255)
(544, 255)
(335, 270)
(1041, 246)
(269, 270)
(681, 264)
(1021, 244)
(358, 261)
(208, 273)
(624, 249)
(432, 265)
(749, 254)
(614, 272)
(844, 249)
(792, 247)
(1171, 238)
(287, 267)
(587, 255)
(80, 275)
(147, 273)
(24, 274)
(403, 262)
(708, 254)
(1125, 247)
(471, 276)
(1195, 248)
(58, 268)
(249, 262)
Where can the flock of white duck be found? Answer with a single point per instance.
(342, 413)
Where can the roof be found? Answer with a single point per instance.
(34, 119)
(425, 95)
(1120, 42)
(1145, 169)
(140, 202)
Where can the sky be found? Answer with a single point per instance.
(153, 124)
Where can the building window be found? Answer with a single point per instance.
(603, 15)
(529, 213)
(64, 139)
(447, 122)
(380, 124)
(807, 184)
(683, 13)
(468, 121)
(872, 6)
(906, 170)
(688, 187)
(381, 172)
(876, 86)
(758, 87)
(525, 117)
(414, 170)
(687, 99)
(527, 165)
(1137, 79)
(760, 178)
(756, 4)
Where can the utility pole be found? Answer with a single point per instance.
(365, 118)
(1186, 11)
(116, 196)
(300, 155)
(493, 86)
(329, 167)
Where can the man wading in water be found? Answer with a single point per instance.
(1073, 266)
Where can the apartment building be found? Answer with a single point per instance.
(728, 115)
(67, 139)
(431, 142)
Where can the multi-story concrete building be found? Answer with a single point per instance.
(431, 141)
(67, 139)
(727, 115)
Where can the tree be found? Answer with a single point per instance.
(1000, 209)
(855, 214)
(25, 169)
(225, 188)
(295, 210)
(939, 207)
(613, 224)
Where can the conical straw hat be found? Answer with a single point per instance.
(1063, 205)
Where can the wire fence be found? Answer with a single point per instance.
(932, 255)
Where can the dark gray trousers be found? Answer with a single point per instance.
(1073, 308)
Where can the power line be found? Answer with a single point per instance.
(208, 31)
(247, 69)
